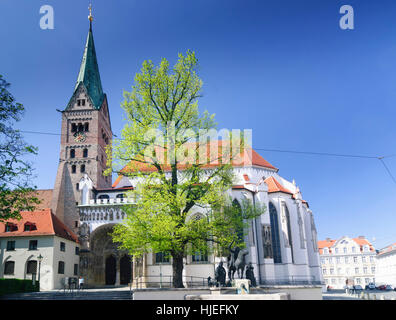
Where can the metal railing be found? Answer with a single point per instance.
(292, 280)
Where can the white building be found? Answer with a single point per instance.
(347, 260)
(38, 233)
(282, 242)
(386, 266)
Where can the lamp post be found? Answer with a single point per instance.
(39, 258)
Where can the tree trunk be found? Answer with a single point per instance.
(177, 268)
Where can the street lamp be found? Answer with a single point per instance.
(39, 258)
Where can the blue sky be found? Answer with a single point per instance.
(284, 69)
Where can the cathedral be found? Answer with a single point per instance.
(281, 243)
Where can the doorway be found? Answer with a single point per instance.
(125, 269)
(110, 270)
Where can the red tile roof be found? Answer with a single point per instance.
(246, 157)
(387, 249)
(329, 243)
(46, 223)
(275, 186)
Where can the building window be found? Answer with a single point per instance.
(356, 270)
(371, 259)
(30, 226)
(336, 250)
(11, 227)
(62, 246)
(77, 251)
(358, 280)
(72, 153)
(365, 270)
(338, 260)
(346, 260)
(275, 234)
(73, 167)
(289, 240)
(162, 257)
(76, 223)
(77, 186)
(85, 153)
(200, 257)
(355, 259)
(82, 168)
(33, 245)
(339, 271)
(86, 126)
(331, 271)
(345, 250)
(324, 271)
(75, 269)
(372, 269)
(10, 245)
(74, 127)
(363, 259)
(353, 249)
(61, 267)
(31, 267)
(9, 267)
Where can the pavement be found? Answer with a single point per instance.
(373, 295)
(112, 293)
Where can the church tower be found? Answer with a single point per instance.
(86, 131)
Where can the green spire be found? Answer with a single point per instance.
(89, 72)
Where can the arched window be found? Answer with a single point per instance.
(275, 234)
(82, 168)
(73, 167)
(72, 153)
(9, 267)
(74, 127)
(103, 196)
(86, 126)
(80, 127)
(31, 267)
(121, 196)
(289, 240)
(85, 153)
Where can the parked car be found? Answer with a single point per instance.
(388, 288)
(370, 286)
(382, 287)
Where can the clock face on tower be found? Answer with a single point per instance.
(79, 137)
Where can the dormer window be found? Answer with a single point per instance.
(30, 226)
(11, 227)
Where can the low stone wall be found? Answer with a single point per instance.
(167, 294)
(306, 292)
(262, 293)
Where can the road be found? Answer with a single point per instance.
(341, 295)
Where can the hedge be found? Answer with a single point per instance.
(8, 286)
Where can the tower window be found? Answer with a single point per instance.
(73, 168)
(77, 186)
(86, 126)
(83, 102)
(80, 127)
(72, 153)
(74, 127)
(85, 153)
(78, 102)
(82, 168)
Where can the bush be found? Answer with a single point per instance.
(8, 286)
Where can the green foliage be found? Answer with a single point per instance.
(163, 126)
(10, 286)
(15, 172)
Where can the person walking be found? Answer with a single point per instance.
(80, 283)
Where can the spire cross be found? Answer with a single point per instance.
(90, 17)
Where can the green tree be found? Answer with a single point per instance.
(161, 147)
(16, 192)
